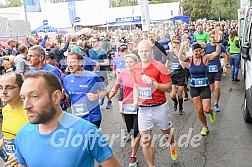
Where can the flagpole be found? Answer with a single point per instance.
(25, 10)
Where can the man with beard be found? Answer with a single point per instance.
(49, 139)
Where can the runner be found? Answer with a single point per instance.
(84, 89)
(14, 115)
(100, 55)
(129, 113)
(215, 69)
(177, 74)
(199, 85)
(118, 66)
(53, 137)
(151, 82)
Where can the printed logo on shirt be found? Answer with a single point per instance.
(83, 86)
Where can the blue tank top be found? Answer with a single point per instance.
(198, 71)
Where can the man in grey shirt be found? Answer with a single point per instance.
(21, 63)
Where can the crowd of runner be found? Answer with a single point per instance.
(146, 66)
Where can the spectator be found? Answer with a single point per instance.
(21, 62)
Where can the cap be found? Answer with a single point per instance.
(121, 47)
(50, 54)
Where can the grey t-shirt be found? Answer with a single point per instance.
(173, 62)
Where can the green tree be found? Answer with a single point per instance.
(161, 1)
(210, 9)
(120, 3)
(12, 3)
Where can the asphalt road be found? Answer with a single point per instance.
(228, 144)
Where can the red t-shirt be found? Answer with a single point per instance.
(127, 80)
(158, 72)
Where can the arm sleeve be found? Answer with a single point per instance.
(18, 154)
(43, 43)
(98, 146)
(119, 79)
(61, 51)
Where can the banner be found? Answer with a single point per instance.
(71, 10)
(244, 3)
(145, 15)
(32, 6)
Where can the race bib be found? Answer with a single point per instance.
(129, 109)
(145, 92)
(9, 146)
(175, 66)
(199, 82)
(80, 109)
(213, 68)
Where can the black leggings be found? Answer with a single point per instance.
(97, 123)
(132, 123)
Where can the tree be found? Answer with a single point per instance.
(210, 9)
(12, 3)
(161, 1)
(120, 3)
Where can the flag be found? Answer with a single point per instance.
(71, 10)
(32, 6)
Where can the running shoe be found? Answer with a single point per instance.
(133, 162)
(204, 131)
(175, 106)
(181, 112)
(174, 152)
(109, 105)
(216, 108)
(127, 138)
(213, 117)
(186, 97)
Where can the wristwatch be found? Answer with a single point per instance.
(151, 83)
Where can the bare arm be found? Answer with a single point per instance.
(21, 165)
(166, 87)
(214, 54)
(96, 67)
(112, 161)
(101, 94)
(135, 95)
(114, 90)
(105, 63)
(180, 55)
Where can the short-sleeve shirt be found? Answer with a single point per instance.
(99, 55)
(77, 87)
(174, 63)
(50, 68)
(156, 71)
(75, 142)
(212, 48)
(127, 80)
(13, 120)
